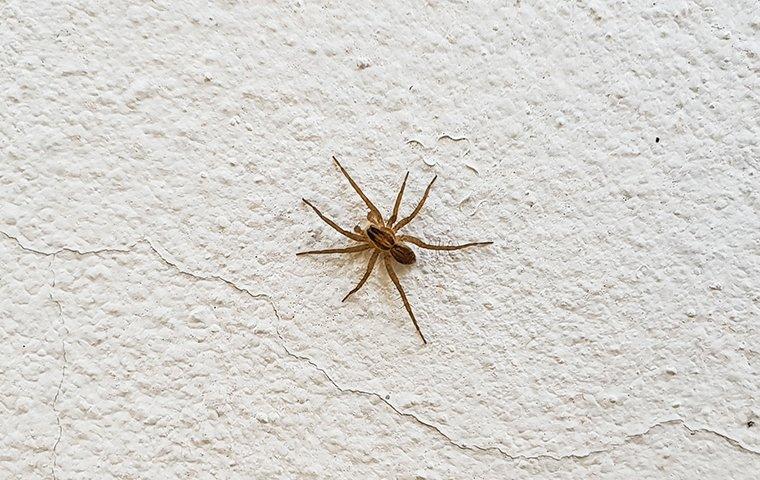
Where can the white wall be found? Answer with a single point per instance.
(155, 322)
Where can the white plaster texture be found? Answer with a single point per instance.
(155, 322)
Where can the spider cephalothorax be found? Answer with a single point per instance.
(382, 237)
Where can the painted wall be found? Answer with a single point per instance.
(155, 322)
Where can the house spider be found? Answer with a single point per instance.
(382, 237)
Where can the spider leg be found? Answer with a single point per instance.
(394, 278)
(370, 266)
(422, 244)
(394, 215)
(355, 248)
(374, 215)
(352, 236)
(408, 219)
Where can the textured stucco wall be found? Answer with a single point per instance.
(155, 323)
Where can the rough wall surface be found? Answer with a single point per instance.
(155, 323)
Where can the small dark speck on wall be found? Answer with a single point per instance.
(750, 424)
(656, 139)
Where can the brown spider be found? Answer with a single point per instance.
(382, 237)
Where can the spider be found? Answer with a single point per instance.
(381, 236)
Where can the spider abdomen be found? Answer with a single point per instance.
(403, 254)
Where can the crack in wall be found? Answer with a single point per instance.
(64, 333)
(499, 450)
(219, 278)
(81, 253)
(162, 256)
(437, 430)
(731, 440)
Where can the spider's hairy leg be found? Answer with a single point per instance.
(374, 213)
(422, 244)
(352, 236)
(356, 248)
(370, 266)
(394, 278)
(396, 206)
(408, 219)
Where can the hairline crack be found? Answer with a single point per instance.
(472, 448)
